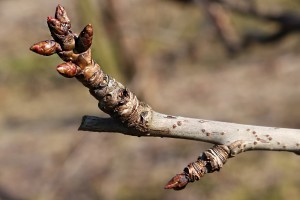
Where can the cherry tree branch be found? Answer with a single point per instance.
(133, 117)
(249, 137)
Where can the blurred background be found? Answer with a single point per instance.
(218, 60)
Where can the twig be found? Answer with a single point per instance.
(133, 117)
(249, 137)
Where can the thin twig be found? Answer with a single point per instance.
(249, 137)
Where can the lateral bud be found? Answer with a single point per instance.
(68, 42)
(210, 161)
(68, 69)
(46, 48)
(84, 40)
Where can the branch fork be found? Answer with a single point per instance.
(133, 117)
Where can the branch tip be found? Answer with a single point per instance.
(61, 15)
(210, 161)
(178, 182)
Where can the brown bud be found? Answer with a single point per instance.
(56, 27)
(46, 48)
(68, 42)
(68, 70)
(61, 15)
(68, 56)
(178, 182)
(84, 40)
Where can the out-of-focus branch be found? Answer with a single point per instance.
(222, 23)
(288, 23)
(113, 22)
(133, 117)
(219, 18)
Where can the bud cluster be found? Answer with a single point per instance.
(72, 49)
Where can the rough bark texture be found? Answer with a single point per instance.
(114, 99)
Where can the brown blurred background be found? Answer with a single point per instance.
(172, 55)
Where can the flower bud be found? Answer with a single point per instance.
(56, 27)
(84, 40)
(46, 48)
(178, 182)
(68, 70)
(61, 15)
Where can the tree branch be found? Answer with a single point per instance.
(133, 117)
(249, 137)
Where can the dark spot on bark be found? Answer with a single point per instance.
(174, 126)
(284, 146)
(105, 81)
(207, 134)
(278, 143)
(261, 140)
(255, 143)
(297, 144)
(123, 93)
(171, 117)
(254, 132)
(270, 138)
(222, 133)
(179, 123)
(244, 146)
(239, 146)
(267, 135)
(248, 129)
(203, 130)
